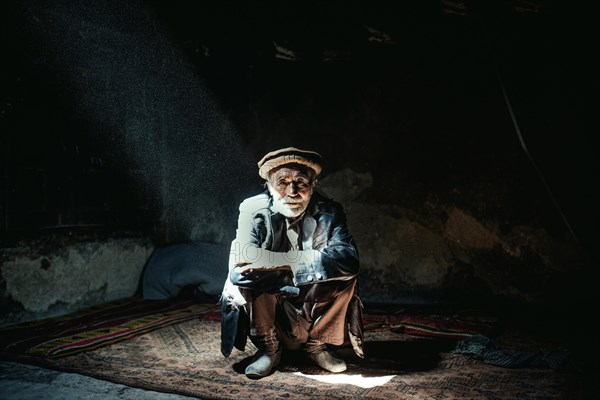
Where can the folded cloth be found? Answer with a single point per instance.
(482, 348)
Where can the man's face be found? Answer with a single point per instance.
(291, 187)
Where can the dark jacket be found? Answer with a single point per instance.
(324, 232)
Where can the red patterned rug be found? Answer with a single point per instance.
(97, 326)
(175, 347)
(110, 323)
(186, 359)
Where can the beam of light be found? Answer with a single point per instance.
(124, 76)
(365, 382)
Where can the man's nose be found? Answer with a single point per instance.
(291, 189)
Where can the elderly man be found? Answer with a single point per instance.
(292, 270)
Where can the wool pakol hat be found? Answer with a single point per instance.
(289, 155)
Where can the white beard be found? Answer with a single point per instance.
(279, 206)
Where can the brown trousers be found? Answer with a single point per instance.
(317, 314)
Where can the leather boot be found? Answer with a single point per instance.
(325, 359)
(262, 364)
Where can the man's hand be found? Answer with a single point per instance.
(246, 268)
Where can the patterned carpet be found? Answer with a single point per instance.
(185, 358)
(110, 323)
(97, 326)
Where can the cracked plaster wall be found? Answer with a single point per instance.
(40, 282)
(443, 253)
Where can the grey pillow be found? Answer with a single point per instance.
(171, 268)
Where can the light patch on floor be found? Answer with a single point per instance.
(358, 380)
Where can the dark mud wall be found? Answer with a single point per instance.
(144, 119)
